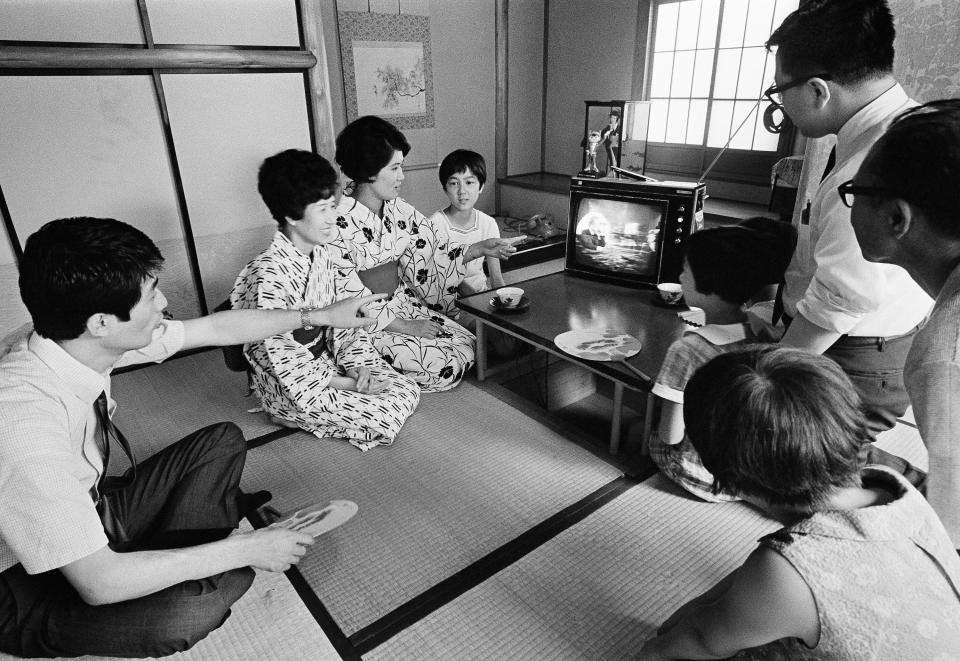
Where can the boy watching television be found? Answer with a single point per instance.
(723, 270)
(463, 174)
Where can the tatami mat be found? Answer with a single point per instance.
(466, 475)
(269, 622)
(160, 404)
(597, 590)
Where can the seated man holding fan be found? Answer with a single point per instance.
(148, 562)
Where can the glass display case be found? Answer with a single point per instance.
(614, 136)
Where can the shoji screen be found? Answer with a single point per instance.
(93, 146)
(224, 125)
(155, 112)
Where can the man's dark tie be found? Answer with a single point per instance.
(107, 430)
(831, 161)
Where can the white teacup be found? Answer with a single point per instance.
(670, 292)
(509, 297)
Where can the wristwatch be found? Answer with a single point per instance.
(304, 321)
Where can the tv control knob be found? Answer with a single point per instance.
(681, 208)
(678, 240)
(679, 230)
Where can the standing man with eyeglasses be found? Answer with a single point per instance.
(834, 75)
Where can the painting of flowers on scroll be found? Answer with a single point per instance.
(386, 67)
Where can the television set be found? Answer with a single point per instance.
(631, 232)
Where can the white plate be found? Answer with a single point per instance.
(318, 519)
(606, 344)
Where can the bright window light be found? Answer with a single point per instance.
(708, 69)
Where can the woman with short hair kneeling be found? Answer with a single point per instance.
(863, 569)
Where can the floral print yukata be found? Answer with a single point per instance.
(429, 269)
(292, 371)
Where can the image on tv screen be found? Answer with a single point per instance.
(618, 236)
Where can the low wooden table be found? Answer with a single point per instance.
(560, 302)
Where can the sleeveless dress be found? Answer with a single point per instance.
(886, 580)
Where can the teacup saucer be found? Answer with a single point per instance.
(500, 307)
(680, 304)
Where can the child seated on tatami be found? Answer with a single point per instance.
(863, 568)
(724, 268)
(463, 174)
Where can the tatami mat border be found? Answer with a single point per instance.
(456, 585)
(334, 633)
(372, 636)
(469, 577)
(263, 439)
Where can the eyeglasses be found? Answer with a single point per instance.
(778, 90)
(848, 190)
(773, 116)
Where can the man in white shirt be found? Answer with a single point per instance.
(834, 64)
(142, 564)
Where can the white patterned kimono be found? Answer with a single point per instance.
(429, 272)
(292, 371)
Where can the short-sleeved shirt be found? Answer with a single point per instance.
(932, 377)
(828, 281)
(483, 227)
(694, 349)
(50, 454)
(680, 462)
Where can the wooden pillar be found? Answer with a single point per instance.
(501, 26)
(319, 79)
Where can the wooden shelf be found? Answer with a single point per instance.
(548, 182)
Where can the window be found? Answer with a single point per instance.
(708, 68)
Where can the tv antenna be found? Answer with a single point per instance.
(630, 174)
(703, 176)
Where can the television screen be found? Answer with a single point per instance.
(619, 237)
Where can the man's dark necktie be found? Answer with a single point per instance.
(831, 161)
(108, 431)
(778, 301)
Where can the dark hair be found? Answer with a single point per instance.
(460, 160)
(918, 160)
(783, 425)
(73, 268)
(366, 145)
(737, 261)
(850, 39)
(293, 179)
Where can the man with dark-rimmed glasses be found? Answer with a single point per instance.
(906, 211)
(834, 76)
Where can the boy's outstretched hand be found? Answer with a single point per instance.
(345, 313)
(496, 247)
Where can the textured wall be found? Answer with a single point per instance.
(591, 47)
(928, 47)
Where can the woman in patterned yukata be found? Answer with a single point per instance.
(332, 382)
(396, 250)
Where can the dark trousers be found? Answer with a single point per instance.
(184, 495)
(875, 366)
